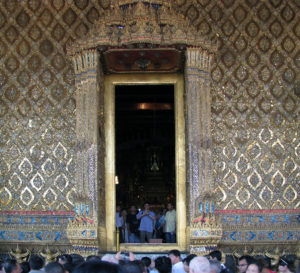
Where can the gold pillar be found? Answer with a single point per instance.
(86, 66)
(88, 232)
(198, 115)
(205, 230)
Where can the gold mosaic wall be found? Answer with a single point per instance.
(255, 103)
(255, 100)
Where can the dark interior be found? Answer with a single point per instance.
(145, 145)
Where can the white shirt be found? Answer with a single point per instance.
(178, 268)
(170, 220)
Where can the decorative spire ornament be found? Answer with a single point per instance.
(147, 22)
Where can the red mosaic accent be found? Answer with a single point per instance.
(262, 211)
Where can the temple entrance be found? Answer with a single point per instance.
(142, 43)
(145, 158)
(145, 146)
(152, 154)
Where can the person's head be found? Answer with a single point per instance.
(141, 265)
(77, 259)
(1, 267)
(146, 206)
(132, 266)
(215, 266)
(110, 259)
(146, 261)
(36, 262)
(118, 208)
(93, 258)
(215, 255)
(124, 212)
(174, 255)
(11, 266)
(264, 265)
(285, 265)
(170, 206)
(98, 267)
(63, 259)
(69, 267)
(254, 267)
(25, 267)
(132, 210)
(186, 262)
(163, 264)
(243, 263)
(54, 267)
(263, 262)
(199, 265)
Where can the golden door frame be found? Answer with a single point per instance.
(95, 170)
(110, 81)
(95, 115)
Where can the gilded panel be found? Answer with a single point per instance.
(255, 101)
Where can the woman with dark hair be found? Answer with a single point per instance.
(163, 264)
(286, 265)
(254, 267)
(98, 267)
(25, 267)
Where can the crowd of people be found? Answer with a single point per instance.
(142, 226)
(171, 263)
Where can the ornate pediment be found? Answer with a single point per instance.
(140, 24)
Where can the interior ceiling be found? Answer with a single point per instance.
(141, 104)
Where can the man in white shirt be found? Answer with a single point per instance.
(170, 224)
(177, 265)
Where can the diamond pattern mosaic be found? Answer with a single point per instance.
(255, 103)
(255, 100)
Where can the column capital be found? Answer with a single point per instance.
(198, 58)
(85, 61)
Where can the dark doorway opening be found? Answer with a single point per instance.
(145, 145)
